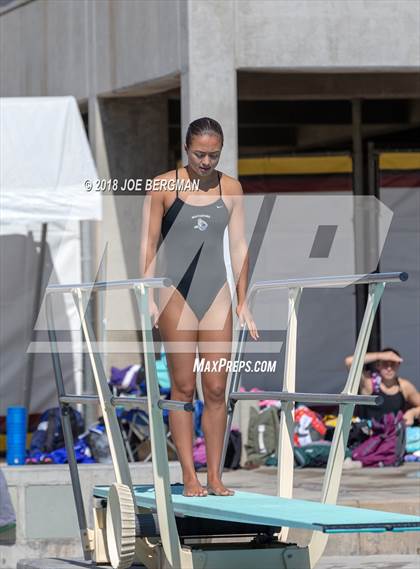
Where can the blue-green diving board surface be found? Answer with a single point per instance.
(260, 509)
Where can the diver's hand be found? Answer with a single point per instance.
(411, 415)
(245, 317)
(389, 357)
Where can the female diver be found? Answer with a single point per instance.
(195, 313)
(398, 393)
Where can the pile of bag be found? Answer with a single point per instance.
(372, 443)
(386, 444)
(263, 430)
(310, 448)
(47, 442)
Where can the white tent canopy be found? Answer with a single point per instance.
(45, 160)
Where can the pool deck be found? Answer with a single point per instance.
(359, 562)
(389, 489)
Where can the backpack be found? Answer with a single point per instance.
(199, 452)
(360, 431)
(82, 453)
(386, 446)
(314, 455)
(198, 413)
(98, 442)
(309, 427)
(263, 434)
(49, 433)
(234, 450)
(54, 436)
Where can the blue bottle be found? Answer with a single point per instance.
(16, 435)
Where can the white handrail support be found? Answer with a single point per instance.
(168, 529)
(332, 477)
(286, 429)
(116, 444)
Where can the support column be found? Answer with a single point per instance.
(93, 265)
(359, 213)
(136, 141)
(208, 73)
(92, 232)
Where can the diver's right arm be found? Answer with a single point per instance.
(153, 209)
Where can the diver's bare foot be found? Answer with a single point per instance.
(193, 488)
(217, 488)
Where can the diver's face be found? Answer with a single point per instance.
(204, 153)
(388, 370)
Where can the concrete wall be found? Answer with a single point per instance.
(320, 35)
(45, 512)
(44, 50)
(72, 47)
(136, 140)
(76, 46)
(208, 79)
(136, 42)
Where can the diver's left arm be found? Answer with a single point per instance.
(238, 249)
(412, 396)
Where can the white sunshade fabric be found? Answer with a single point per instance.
(45, 160)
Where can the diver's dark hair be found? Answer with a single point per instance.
(391, 350)
(205, 125)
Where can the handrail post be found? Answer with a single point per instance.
(286, 428)
(116, 444)
(233, 386)
(169, 532)
(67, 432)
(334, 469)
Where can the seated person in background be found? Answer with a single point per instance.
(399, 394)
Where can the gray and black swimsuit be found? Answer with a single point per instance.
(193, 244)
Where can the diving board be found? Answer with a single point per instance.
(262, 509)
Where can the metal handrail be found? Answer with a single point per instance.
(317, 398)
(309, 282)
(170, 404)
(111, 285)
(320, 282)
(297, 285)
